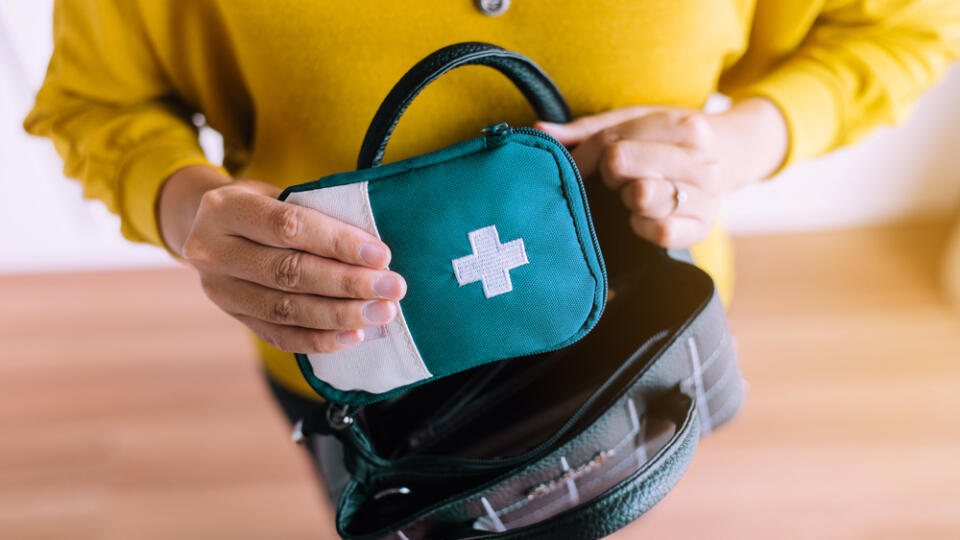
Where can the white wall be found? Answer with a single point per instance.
(44, 222)
(904, 173)
(898, 174)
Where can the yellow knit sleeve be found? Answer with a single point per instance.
(111, 113)
(859, 64)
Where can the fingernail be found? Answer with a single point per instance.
(374, 255)
(548, 126)
(349, 338)
(375, 332)
(379, 312)
(388, 286)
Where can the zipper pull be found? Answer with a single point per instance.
(338, 416)
(499, 128)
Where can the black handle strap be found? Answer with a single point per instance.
(535, 85)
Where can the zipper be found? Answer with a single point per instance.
(503, 128)
(500, 128)
(479, 466)
(438, 426)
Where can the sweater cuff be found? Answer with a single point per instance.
(140, 181)
(811, 106)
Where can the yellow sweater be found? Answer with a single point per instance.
(292, 84)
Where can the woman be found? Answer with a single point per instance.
(292, 87)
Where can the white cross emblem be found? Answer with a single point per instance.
(491, 261)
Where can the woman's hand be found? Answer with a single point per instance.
(673, 166)
(302, 281)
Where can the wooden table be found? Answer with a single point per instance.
(131, 408)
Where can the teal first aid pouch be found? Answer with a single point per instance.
(493, 236)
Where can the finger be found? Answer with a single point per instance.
(659, 198)
(280, 224)
(588, 154)
(297, 271)
(650, 197)
(302, 340)
(686, 128)
(624, 161)
(587, 126)
(239, 297)
(674, 232)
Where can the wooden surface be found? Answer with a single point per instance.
(131, 408)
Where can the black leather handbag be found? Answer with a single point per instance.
(574, 443)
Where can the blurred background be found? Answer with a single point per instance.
(851, 430)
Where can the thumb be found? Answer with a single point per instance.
(585, 127)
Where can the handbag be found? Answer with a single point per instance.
(573, 442)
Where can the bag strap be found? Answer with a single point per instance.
(535, 85)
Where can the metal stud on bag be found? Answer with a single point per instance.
(338, 416)
(493, 8)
